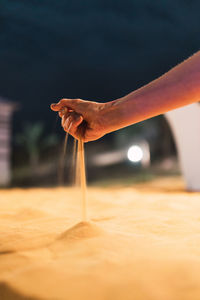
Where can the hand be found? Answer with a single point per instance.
(82, 119)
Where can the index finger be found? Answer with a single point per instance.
(69, 103)
(55, 107)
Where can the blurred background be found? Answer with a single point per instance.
(93, 49)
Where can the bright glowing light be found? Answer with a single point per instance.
(135, 153)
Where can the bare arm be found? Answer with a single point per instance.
(178, 87)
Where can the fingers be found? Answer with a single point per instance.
(71, 110)
(70, 123)
(63, 112)
(63, 119)
(68, 103)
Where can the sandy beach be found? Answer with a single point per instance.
(142, 242)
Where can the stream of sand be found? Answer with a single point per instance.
(78, 173)
(80, 161)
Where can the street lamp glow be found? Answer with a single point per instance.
(135, 153)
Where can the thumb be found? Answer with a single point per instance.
(69, 103)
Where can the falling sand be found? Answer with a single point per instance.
(78, 173)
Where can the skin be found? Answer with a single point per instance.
(89, 120)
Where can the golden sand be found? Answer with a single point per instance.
(143, 243)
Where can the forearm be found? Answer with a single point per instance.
(178, 87)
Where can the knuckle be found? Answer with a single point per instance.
(77, 100)
(62, 101)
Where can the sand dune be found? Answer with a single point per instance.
(142, 243)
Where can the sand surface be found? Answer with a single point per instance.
(142, 243)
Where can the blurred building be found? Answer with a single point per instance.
(6, 111)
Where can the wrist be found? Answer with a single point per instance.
(110, 115)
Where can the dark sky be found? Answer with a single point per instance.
(91, 49)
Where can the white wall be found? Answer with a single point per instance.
(185, 125)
